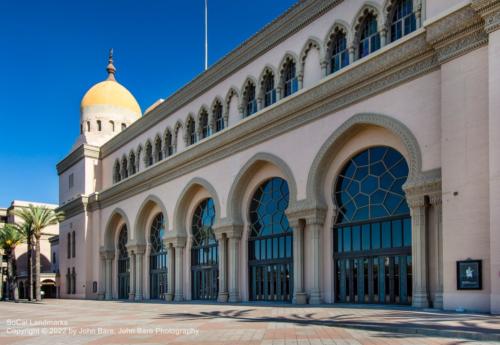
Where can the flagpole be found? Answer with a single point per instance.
(206, 35)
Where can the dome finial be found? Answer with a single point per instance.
(111, 68)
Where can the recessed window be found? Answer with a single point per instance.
(218, 118)
(289, 78)
(191, 131)
(88, 126)
(204, 128)
(71, 180)
(99, 125)
(370, 37)
(250, 101)
(168, 143)
(339, 55)
(112, 125)
(403, 19)
(124, 126)
(268, 88)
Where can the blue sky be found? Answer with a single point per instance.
(51, 52)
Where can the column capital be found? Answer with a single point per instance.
(136, 248)
(436, 199)
(231, 230)
(107, 254)
(312, 214)
(416, 191)
(489, 10)
(175, 241)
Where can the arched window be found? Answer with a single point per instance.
(268, 88)
(112, 125)
(148, 158)
(88, 126)
(290, 83)
(339, 55)
(117, 172)
(250, 102)
(204, 128)
(124, 167)
(403, 19)
(99, 126)
(169, 149)
(270, 243)
(369, 40)
(204, 253)
(191, 131)
(123, 264)
(372, 234)
(131, 163)
(157, 259)
(158, 149)
(218, 118)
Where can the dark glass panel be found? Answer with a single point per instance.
(366, 237)
(376, 235)
(397, 233)
(356, 238)
(407, 232)
(386, 235)
(347, 239)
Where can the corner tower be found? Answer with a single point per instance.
(106, 109)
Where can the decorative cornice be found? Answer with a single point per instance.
(416, 191)
(456, 34)
(490, 11)
(283, 27)
(107, 254)
(74, 207)
(74, 157)
(136, 248)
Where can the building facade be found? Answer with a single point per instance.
(349, 152)
(48, 276)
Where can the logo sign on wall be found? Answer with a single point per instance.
(469, 275)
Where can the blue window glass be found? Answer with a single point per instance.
(218, 118)
(403, 19)
(369, 38)
(289, 79)
(251, 102)
(205, 128)
(203, 234)
(268, 88)
(339, 53)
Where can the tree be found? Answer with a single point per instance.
(10, 236)
(39, 217)
(27, 231)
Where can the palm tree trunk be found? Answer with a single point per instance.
(14, 279)
(8, 286)
(37, 269)
(29, 269)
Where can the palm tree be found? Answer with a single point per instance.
(27, 231)
(10, 236)
(39, 217)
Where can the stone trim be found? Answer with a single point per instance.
(230, 230)
(74, 207)
(136, 248)
(490, 12)
(286, 25)
(174, 241)
(83, 151)
(184, 197)
(311, 215)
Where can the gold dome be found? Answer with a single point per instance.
(110, 92)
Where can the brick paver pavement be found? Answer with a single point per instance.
(101, 322)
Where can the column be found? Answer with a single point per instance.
(383, 37)
(234, 246)
(131, 294)
(139, 254)
(259, 103)
(300, 81)
(102, 276)
(351, 55)
(436, 202)
(179, 268)
(278, 93)
(170, 273)
(324, 68)
(315, 229)
(223, 294)
(299, 295)
(109, 271)
(419, 251)
(417, 5)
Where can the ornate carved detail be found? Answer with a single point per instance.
(490, 11)
(107, 254)
(136, 248)
(312, 215)
(175, 241)
(230, 230)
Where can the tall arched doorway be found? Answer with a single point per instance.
(204, 253)
(157, 259)
(372, 232)
(123, 265)
(270, 241)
